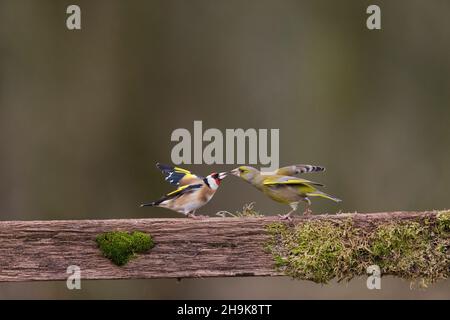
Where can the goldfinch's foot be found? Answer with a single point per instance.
(193, 216)
(285, 217)
(307, 212)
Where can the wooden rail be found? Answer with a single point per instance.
(210, 247)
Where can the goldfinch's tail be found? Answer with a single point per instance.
(153, 203)
(150, 204)
(323, 195)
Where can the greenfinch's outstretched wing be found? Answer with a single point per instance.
(178, 176)
(297, 169)
(301, 185)
(286, 180)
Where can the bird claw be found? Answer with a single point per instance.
(307, 212)
(193, 216)
(285, 217)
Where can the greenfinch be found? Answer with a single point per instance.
(282, 187)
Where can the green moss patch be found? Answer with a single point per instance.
(120, 246)
(321, 250)
(443, 221)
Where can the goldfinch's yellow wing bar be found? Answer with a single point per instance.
(183, 188)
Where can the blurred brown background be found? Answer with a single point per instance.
(85, 115)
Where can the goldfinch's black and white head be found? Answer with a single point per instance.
(214, 179)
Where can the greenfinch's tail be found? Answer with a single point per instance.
(323, 195)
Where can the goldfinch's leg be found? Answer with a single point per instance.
(287, 216)
(192, 215)
(308, 210)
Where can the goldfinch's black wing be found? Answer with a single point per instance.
(297, 169)
(175, 194)
(178, 176)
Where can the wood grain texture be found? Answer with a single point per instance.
(210, 247)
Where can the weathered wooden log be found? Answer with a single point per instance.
(209, 247)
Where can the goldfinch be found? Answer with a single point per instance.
(284, 188)
(193, 192)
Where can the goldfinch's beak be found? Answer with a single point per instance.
(222, 175)
(235, 172)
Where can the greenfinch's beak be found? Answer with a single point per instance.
(235, 172)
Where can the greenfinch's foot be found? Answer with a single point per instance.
(307, 212)
(285, 217)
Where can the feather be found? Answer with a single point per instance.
(323, 195)
(298, 168)
(174, 194)
(178, 176)
(286, 180)
(183, 189)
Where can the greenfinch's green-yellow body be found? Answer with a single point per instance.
(285, 188)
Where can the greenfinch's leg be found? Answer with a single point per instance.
(308, 210)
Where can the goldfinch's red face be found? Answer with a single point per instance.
(218, 177)
(215, 179)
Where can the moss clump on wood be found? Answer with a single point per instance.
(411, 250)
(443, 221)
(321, 250)
(120, 246)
